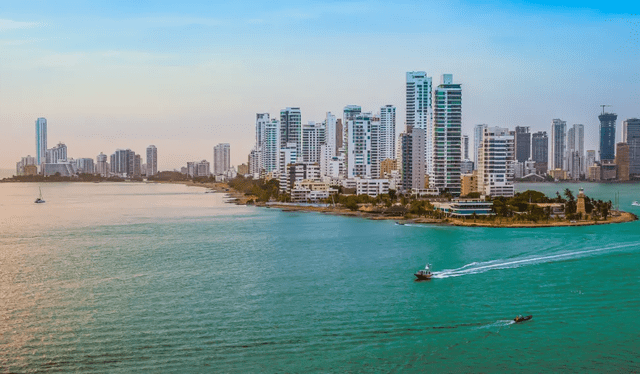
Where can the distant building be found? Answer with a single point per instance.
(243, 169)
(465, 147)
(362, 151)
(522, 143)
(608, 170)
(291, 127)
(540, 151)
(57, 154)
(478, 130)
(152, 160)
(30, 170)
(414, 173)
(419, 111)
(559, 174)
(41, 141)
(594, 173)
(495, 176)
(85, 165)
(313, 136)
(387, 133)
(297, 172)
(468, 184)
(466, 167)
(607, 136)
(221, 158)
(102, 165)
(631, 135)
(622, 161)
(558, 144)
(288, 155)
(372, 187)
(24, 162)
(122, 162)
(590, 160)
(387, 166)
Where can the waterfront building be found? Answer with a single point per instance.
(122, 162)
(465, 208)
(313, 136)
(594, 173)
(57, 154)
(23, 163)
(102, 168)
(221, 158)
(631, 135)
(152, 160)
(291, 127)
(387, 137)
(495, 176)
(414, 173)
(559, 174)
(468, 184)
(362, 146)
(447, 136)
(419, 110)
(607, 136)
(199, 169)
(523, 143)
(558, 144)
(296, 172)
(608, 170)
(540, 151)
(372, 187)
(41, 141)
(85, 166)
(478, 130)
(62, 168)
(622, 161)
(30, 170)
(271, 146)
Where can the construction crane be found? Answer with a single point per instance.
(603, 107)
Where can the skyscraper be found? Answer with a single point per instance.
(478, 131)
(387, 141)
(41, 140)
(523, 143)
(540, 151)
(447, 136)
(575, 151)
(152, 160)
(331, 134)
(558, 143)
(607, 136)
(419, 112)
(465, 147)
(271, 148)
(414, 171)
(362, 148)
(101, 165)
(221, 158)
(313, 136)
(261, 123)
(631, 135)
(291, 127)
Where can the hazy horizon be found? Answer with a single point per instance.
(188, 76)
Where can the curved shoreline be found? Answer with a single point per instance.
(239, 198)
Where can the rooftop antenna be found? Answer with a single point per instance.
(603, 107)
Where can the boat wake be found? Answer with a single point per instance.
(482, 267)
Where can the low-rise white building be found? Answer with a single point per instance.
(372, 187)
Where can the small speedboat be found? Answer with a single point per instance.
(522, 319)
(424, 274)
(635, 203)
(399, 223)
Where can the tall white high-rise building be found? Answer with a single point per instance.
(420, 110)
(558, 144)
(221, 158)
(478, 131)
(152, 160)
(291, 127)
(313, 136)
(495, 155)
(362, 148)
(101, 165)
(575, 151)
(287, 155)
(387, 142)
(271, 146)
(262, 119)
(56, 154)
(41, 141)
(447, 136)
(331, 133)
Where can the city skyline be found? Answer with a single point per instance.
(181, 79)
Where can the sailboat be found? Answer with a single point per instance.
(39, 200)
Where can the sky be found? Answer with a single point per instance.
(188, 75)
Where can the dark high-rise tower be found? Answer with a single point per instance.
(540, 151)
(523, 143)
(607, 136)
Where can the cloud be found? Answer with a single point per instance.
(7, 24)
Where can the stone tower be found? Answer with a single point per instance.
(580, 206)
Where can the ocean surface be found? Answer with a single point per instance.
(132, 277)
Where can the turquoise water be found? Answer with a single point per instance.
(125, 278)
